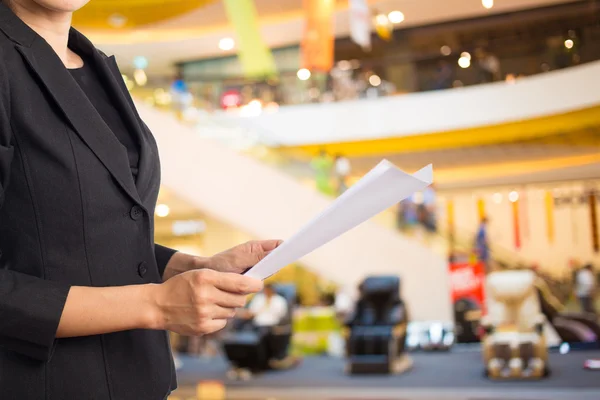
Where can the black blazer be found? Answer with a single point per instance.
(71, 214)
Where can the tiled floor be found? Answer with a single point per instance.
(345, 394)
(435, 376)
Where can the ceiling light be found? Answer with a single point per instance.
(184, 228)
(445, 50)
(140, 77)
(345, 65)
(466, 54)
(487, 3)
(162, 210)
(117, 20)
(140, 62)
(464, 62)
(513, 197)
(569, 43)
(303, 74)
(226, 44)
(396, 17)
(252, 109)
(382, 19)
(375, 80)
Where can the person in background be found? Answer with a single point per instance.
(444, 76)
(266, 309)
(344, 302)
(482, 246)
(489, 66)
(182, 98)
(342, 171)
(585, 288)
(323, 166)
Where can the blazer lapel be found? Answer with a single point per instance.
(80, 112)
(110, 72)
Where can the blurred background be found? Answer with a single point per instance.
(266, 110)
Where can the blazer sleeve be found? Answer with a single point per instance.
(163, 255)
(30, 307)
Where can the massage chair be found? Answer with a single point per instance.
(579, 330)
(255, 349)
(467, 320)
(376, 331)
(514, 346)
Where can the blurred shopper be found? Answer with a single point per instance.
(323, 168)
(585, 288)
(86, 296)
(489, 67)
(181, 96)
(266, 309)
(427, 210)
(342, 171)
(344, 302)
(482, 246)
(444, 76)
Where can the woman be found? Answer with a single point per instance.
(86, 297)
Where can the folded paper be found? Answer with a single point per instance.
(381, 188)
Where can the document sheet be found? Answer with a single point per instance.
(381, 188)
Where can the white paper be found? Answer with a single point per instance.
(381, 188)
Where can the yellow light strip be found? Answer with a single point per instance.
(480, 136)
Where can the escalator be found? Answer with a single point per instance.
(266, 202)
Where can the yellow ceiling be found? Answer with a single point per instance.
(97, 14)
(582, 125)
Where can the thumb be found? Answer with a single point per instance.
(260, 256)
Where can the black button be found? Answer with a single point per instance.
(136, 213)
(142, 269)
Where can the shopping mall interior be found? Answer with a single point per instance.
(265, 111)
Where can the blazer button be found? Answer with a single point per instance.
(142, 269)
(136, 213)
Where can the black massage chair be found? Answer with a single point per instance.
(376, 330)
(254, 349)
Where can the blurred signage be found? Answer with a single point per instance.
(575, 198)
(185, 228)
(360, 23)
(254, 55)
(231, 99)
(467, 281)
(318, 40)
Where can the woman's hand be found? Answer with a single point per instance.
(201, 301)
(242, 257)
(237, 259)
